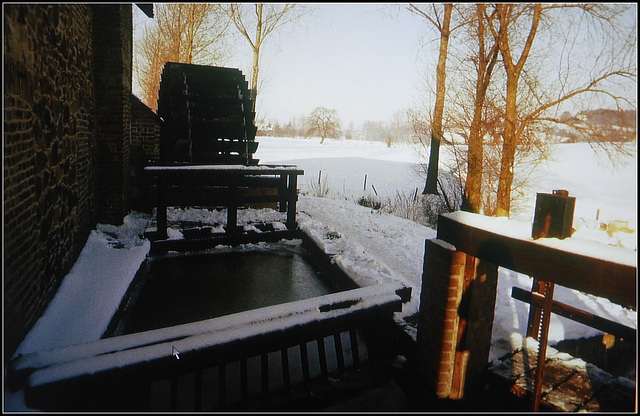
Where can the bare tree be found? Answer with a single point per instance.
(324, 123)
(442, 22)
(485, 60)
(528, 101)
(556, 70)
(398, 129)
(256, 22)
(184, 33)
(513, 70)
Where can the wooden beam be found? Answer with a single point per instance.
(578, 315)
(597, 276)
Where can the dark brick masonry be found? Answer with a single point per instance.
(74, 139)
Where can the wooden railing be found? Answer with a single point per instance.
(128, 373)
(591, 272)
(597, 269)
(228, 186)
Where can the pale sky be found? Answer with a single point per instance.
(367, 61)
(363, 60)
(359, 59)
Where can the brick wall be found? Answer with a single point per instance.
(48, 155)
(440, 297)
(69, 155)
(145, 146)
(455, 320)
(113, 37)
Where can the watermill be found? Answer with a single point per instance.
(207, 115)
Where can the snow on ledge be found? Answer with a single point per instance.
(522, 231)
(119, 352)
(258, 168)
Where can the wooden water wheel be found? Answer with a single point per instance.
(207, 116)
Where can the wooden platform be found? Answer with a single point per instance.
(569, 384)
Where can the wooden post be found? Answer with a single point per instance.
(232, 206)
(283, 194)
(292, 193)
(161, 210)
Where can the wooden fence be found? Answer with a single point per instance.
(461, 268)
(228, 186)
(124, 373)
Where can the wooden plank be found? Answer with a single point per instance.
(601, 277)
(211, 184)
(224, 146)
(292, 197)
(322, 357)
(219, 198)
(304, 361)
(195, 244)
(562, 309)
(337, 342)
(355, 352)
(173, 169)
(286, 379)
(304, 318)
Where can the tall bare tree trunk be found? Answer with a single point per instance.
(472, 200)
(430, 187)
(509, 145)
(256, 55)
(513, 72)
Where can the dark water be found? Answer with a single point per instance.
(191, 288)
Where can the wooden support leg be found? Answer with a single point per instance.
(161, 210)
(292, 195)
(283, 194)
(232, 209)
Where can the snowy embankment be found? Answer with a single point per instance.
(370, 245)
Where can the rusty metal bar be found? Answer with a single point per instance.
(535, 310)
(543, 339)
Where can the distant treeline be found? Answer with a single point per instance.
(598, 125)
(603, 125)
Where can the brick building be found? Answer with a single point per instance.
(75, 140)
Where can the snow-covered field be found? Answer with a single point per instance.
(605, 193)
(373, 246)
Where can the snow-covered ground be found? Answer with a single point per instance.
(372, 246)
